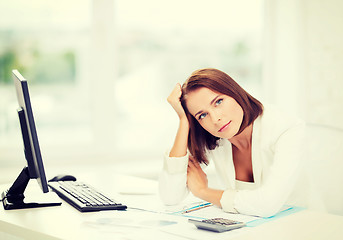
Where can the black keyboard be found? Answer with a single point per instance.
(84, 197)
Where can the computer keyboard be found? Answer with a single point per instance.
(84, 197)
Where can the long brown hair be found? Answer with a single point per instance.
(199, 139)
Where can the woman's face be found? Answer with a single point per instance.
(217, 113)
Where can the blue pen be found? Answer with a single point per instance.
(200, 206)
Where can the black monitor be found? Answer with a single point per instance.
(13, 198)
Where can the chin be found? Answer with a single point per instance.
(231, 134)
(224, 135)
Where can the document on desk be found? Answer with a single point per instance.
(130, 225)
(251, 221)
(147, 218)
(216, 212)
(153, 204)
(191, 232)
(135, 224)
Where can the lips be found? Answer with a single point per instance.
(223, 128)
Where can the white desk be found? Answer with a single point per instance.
(65, 222)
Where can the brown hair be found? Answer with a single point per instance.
(199, 139)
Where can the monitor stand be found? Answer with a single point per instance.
(13, 198)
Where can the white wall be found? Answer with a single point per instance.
(303, 68)
(324, 61)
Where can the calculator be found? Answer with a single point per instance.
(217, 224)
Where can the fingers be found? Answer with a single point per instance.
(175, 102)
(175, 95)
(191, 167)
(194, 166)
(194, 162)
(196, 177)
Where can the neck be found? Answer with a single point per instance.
(242, 141)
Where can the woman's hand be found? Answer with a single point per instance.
(196, 178)
(174, 101)
(198, 184)
(179, 148)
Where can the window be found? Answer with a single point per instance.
(48, 45)
(100, 71)
(159, 43)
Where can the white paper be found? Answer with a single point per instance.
(216, 212)
(135, 224)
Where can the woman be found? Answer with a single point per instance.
(256, 149)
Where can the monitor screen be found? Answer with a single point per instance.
(13, 198)
(31, 147)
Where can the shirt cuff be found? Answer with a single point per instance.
(227, 201)
(174, 165)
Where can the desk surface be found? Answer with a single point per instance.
(65, 222)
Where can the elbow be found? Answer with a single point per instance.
(261, 207)
(266, 213)
(168, 199)
(269, 208)
(171, 197)
(172, 191)
(261, 211)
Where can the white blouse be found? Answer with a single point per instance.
(277, 154)
(241, 185)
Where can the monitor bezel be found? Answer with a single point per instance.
(36, 171)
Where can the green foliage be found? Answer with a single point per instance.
(54, 68)
(8, 61)
(39, 67)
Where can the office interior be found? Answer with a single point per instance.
(100, 73)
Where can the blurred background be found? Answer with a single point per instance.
(99, 71)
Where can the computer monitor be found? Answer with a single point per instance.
(13, 198)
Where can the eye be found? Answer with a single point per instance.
(203, 115)
(219, 101)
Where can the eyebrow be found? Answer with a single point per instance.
(213, 100)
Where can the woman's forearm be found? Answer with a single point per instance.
(179, 148)
(211, 195)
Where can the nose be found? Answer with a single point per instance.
(216, 116)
